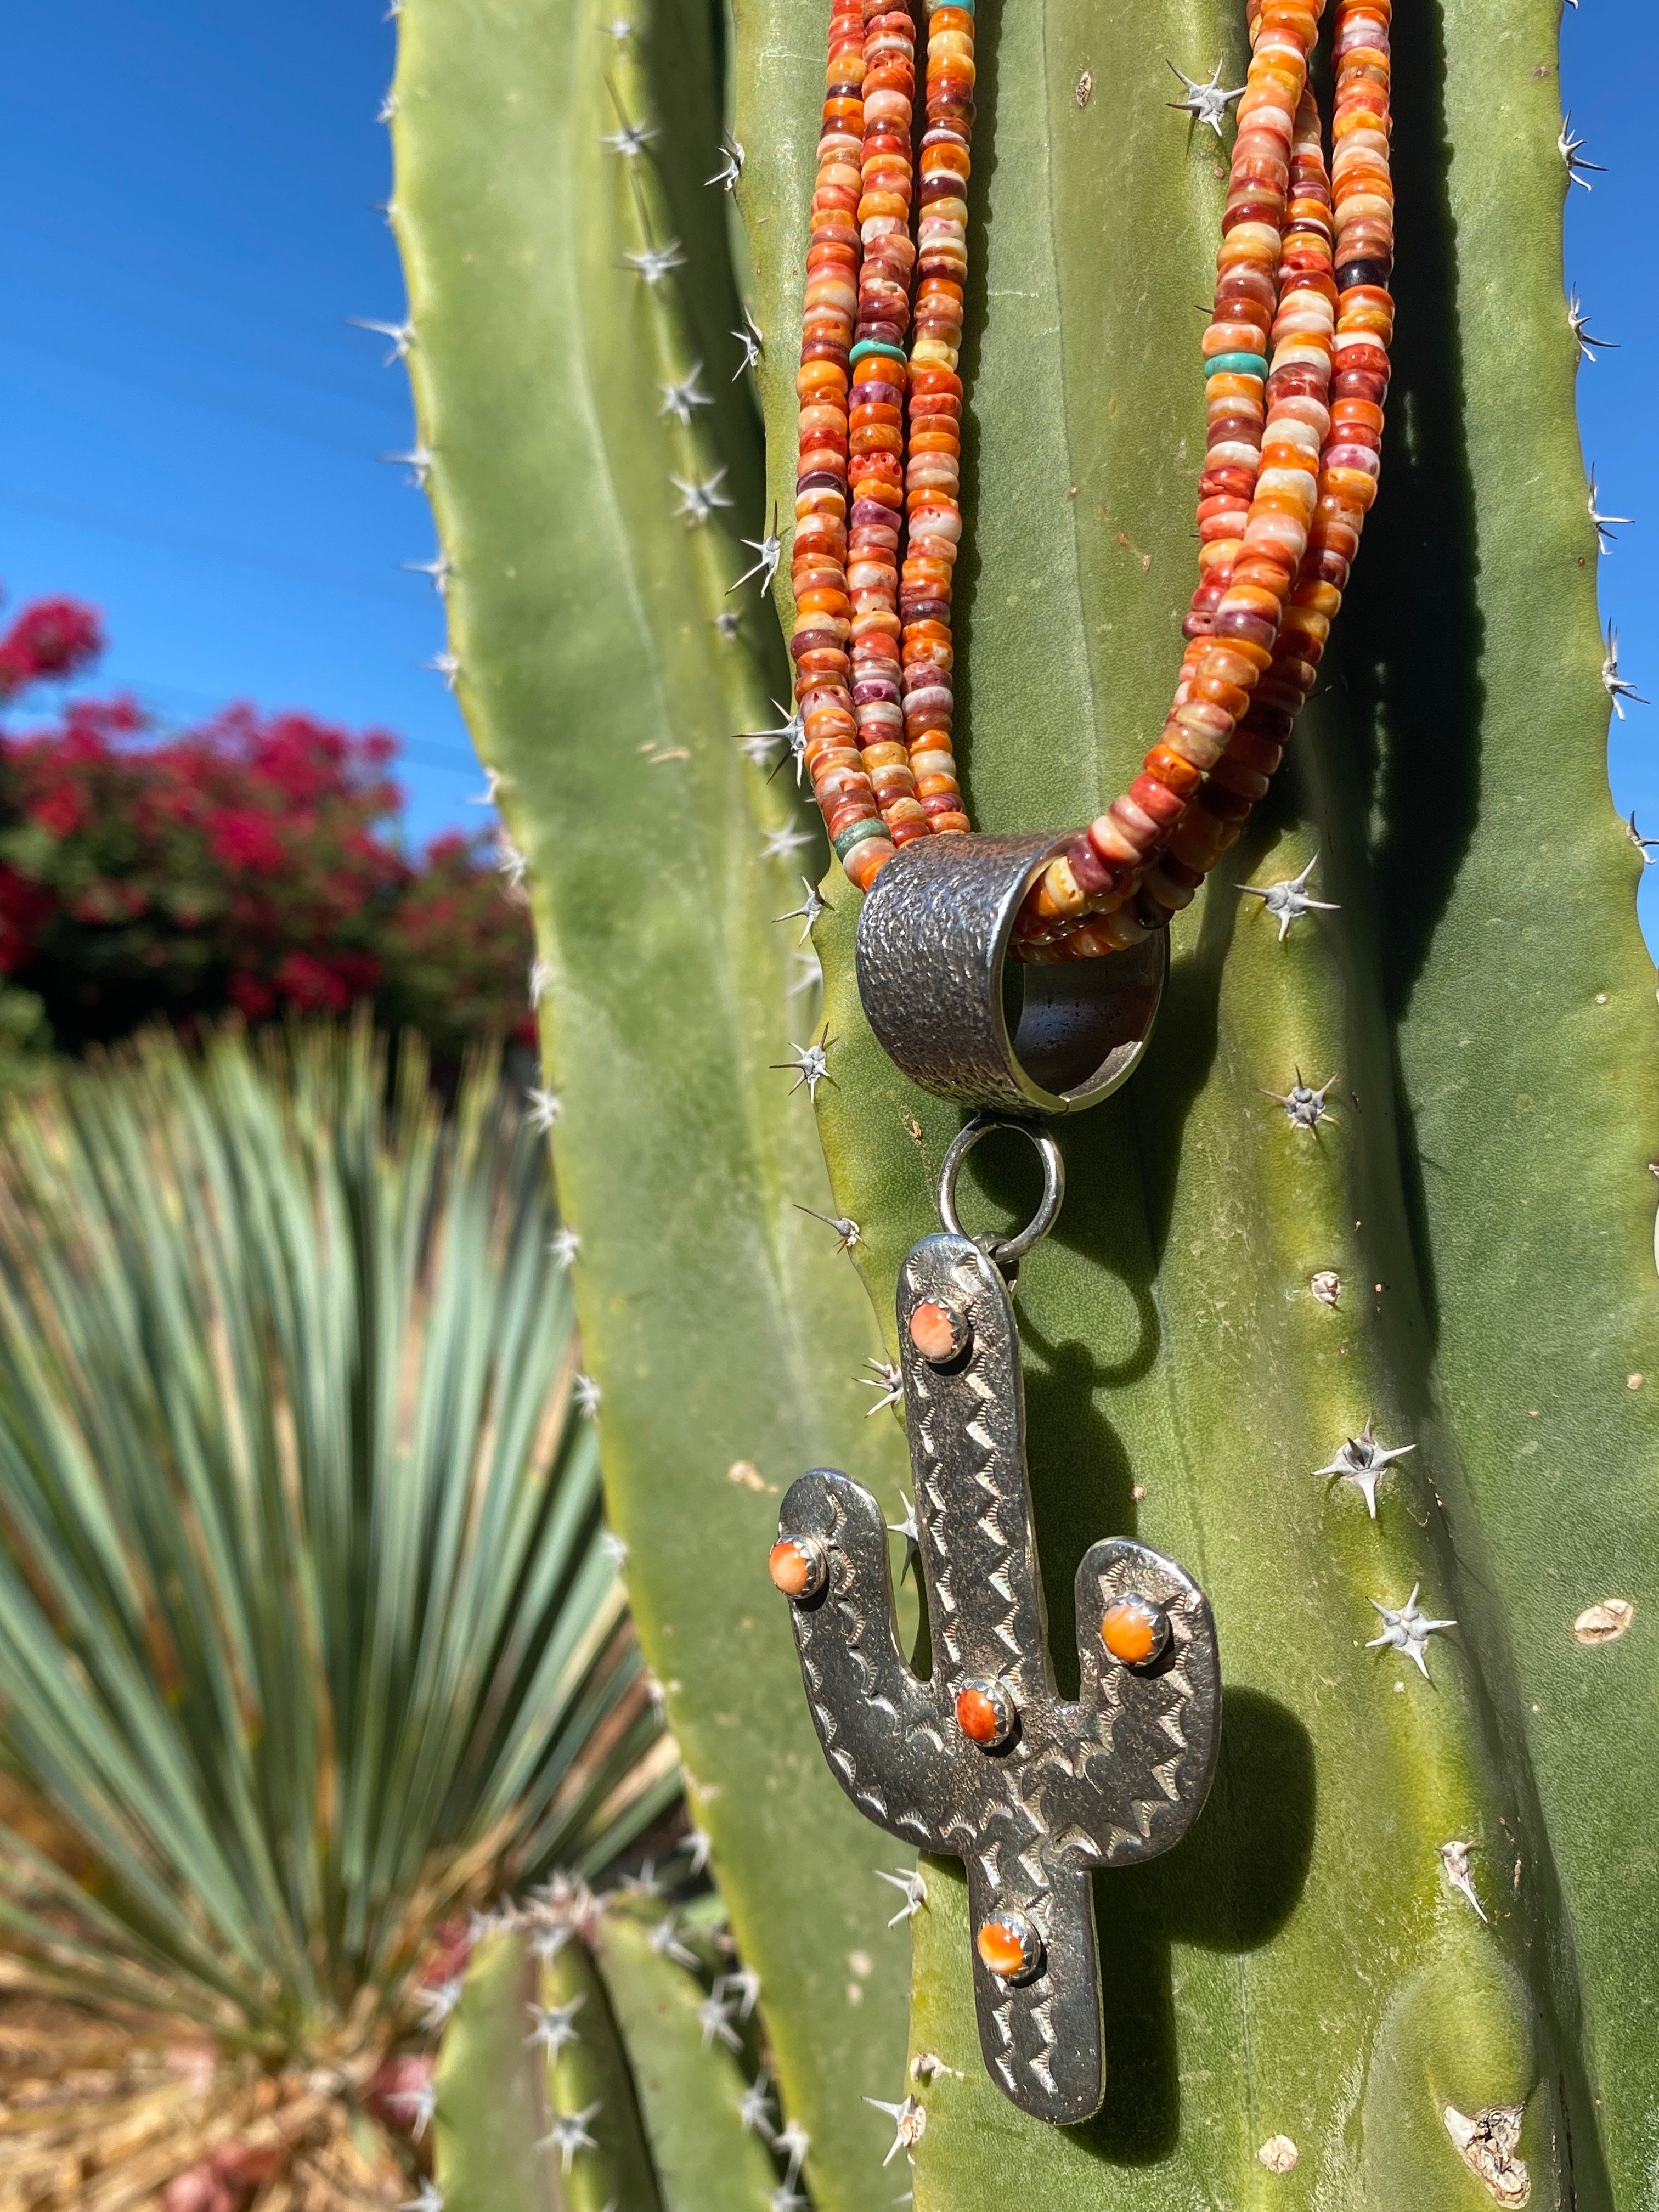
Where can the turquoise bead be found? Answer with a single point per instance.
(874, 345)
(855, 833)
(1239, 364)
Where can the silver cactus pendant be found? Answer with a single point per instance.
(986, 1762)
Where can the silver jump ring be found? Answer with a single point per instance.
(1005, 1251)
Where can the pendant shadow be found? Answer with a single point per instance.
(1066, 1428)
(1234, 1880)
(1228, 1886)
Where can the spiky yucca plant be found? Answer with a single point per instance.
(310, 1632)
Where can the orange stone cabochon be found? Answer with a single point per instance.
(1000, 1947)
(789, 1566)
(977, 1716)
(933, 1332)
(1129, 1631)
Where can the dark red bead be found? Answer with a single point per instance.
(1092, 874)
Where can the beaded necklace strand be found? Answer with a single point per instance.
(1297, 369)
(877, 720)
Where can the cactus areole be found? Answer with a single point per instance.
(986, 1761)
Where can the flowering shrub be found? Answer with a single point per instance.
(54, 637)
(250, 863)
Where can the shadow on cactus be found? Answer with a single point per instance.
(311, 1632)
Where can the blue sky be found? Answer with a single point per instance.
(1609, 62)
(187, 219)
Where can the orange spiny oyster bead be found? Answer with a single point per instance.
(1134, 1630)
(937, 1333)
(797, 1566)
(985, 1712)
(1010, 1947)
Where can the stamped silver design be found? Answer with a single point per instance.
(1106, 1780)
(964, 1021)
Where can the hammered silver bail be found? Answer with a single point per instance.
(961, 1018)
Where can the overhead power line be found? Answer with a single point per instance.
(206, 548)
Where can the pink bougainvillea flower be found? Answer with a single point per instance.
(251, 864)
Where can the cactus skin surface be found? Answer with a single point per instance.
(689, 2085)
(490, 2108)
(1300, 1966)
(590, 2081)
(1049, 1786)
(658, 2101)
(723, 1327)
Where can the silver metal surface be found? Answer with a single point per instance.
(963, 1020)
(1107, 1781)
(1006, 1251)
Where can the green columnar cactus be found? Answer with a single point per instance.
(595, 463)
(487, 2070)
(1401, 1957)
(1404, 1952)
(599, 2057)
(690, 2084)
